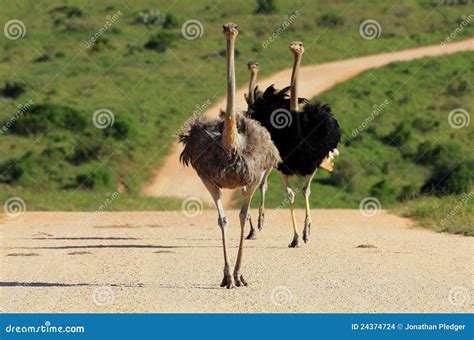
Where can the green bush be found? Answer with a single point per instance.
(384, 191)
(437, 154)
(344, 174)
(149, 18)
(94, 179)
(330, 19)
(266, 7)
(425, 124)
(401, 135)
(458, 88)
(447, 179)
(171, 21)
(40, 118)
(122, 128)
(12, 169)
(161, 41)
(13, 89)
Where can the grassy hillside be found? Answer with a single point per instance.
(152, 79)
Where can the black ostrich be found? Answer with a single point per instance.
(306, 138)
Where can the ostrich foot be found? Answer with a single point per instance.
(306, 230)
(295, 243)
(227, 281)
(252, 234)
(239, 281)
(261, 220)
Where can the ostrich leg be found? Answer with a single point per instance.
(263, 190)
(307, 220)
(291, 198)
(261, 211)
(239, 280)
(222, 221)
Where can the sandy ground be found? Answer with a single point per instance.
(314, 80)
(167, 262)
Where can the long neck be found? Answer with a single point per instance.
(294, 83)
(229, 135)
(253, 81)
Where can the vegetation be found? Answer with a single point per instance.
(52, 153)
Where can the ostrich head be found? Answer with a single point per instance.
(230, 30)
(253, 66)
(297, 47)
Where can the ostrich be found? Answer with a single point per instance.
(229, 152)
(306, 138)
(250, 99)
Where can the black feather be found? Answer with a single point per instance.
(309, 137)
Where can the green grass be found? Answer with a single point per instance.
(152, 94)
(453, 214)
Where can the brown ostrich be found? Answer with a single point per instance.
(230, 152)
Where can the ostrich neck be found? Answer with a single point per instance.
(253, 80)
(229, 134)
(294, 83)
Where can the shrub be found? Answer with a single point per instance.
(458, 88)
(13, 89)
(266, 7)
(94, 179)
(425, 124)
(171, 21)
(12, 169)
(408, 192)
(384, 191)
(401, 135)
(149, 18)
(122, 128)
(161, 41)
(344, 174)
(447, 179)
(437, 154)
(330, 19)
(39, 118)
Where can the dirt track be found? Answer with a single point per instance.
(314, 79)
(166, 262)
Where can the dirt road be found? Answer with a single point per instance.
(314, 80)
(166, 262)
